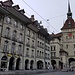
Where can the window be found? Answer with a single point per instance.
(40, 53)
(67, 46)
(53, 54)
(61, 58)
(37, 52)
(13, 48)
(14, 35)
(28, 41)
(21, 27)
(48, 56)
(53, 48)
(28, 32)
(5, 46)
(8, 20)
(42, 45)
(38, 43)
(66, 37)
(19, 49)
(33, 43)
(7, 32)
(20, 37)
(27, 52)
(73, 37)
(33, 35)
(16, 24)
(74, 45)
(38, 35)
(69, 24)
(32, 53)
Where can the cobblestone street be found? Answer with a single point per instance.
(58, 73)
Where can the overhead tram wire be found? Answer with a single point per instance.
(39, 15)
(57, 16)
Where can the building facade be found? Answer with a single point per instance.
(24, 44)
(63, 44)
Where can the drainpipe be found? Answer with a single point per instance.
(23, 62)
(44, 54)
(35, 51)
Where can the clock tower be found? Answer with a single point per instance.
(68, 36)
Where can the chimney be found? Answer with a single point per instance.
(22, 11)
(8, 3)
(32, 18)
(16, 7)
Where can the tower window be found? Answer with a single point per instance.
(69, 24)
(74, 45)
(67, 46)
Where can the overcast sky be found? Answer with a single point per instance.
(54, 10)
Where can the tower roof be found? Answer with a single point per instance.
(69, 14)
(69, 23)
(69, 10)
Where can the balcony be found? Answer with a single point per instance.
(20, 41)
(54, 57)
(32, 56)
(27, 55)
(7, 36)
(14, 39)
(12, 52)
(19, 53)
(47, 58)
(5, 50)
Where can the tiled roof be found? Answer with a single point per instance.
(56, 35)
(67, 22)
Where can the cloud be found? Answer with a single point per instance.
(3, 0)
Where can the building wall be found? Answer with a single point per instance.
(69, 41)
(19, 47)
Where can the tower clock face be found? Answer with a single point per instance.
(69, 34)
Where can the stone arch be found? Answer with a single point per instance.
(11, 63)
(31, 64)
(18, 64)
(39, 64)
(53, 62)
(71, 60)
(4, 61)
(26, 64)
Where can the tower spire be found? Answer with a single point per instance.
(69, 14)
(69, 10)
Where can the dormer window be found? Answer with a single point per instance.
(8, 20)
(16, 24)
(69, 24)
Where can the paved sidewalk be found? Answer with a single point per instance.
(25, 72)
